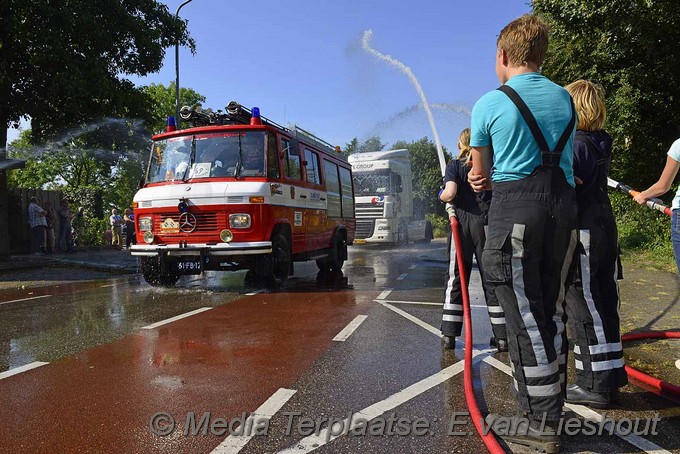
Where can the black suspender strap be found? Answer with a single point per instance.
(552, 157)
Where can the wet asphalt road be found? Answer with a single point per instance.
(112, 365)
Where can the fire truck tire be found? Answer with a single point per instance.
(336, 259)
(151, 270)
(275, 267)
(428, 234)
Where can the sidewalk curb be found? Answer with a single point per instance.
(112, 268)
(20, 265)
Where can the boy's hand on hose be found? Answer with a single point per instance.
(478, 182)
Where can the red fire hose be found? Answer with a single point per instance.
(488, 438)
(635, 374)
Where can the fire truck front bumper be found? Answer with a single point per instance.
(220, 249)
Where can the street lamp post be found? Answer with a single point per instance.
(177, 66)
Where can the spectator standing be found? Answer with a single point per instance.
(65, 216)
(129, 218)
(79, 226)
(50, 217)
(38, 223)
(116, 222)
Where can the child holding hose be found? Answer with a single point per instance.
(663, 186)
(472, 212)
(593, 297)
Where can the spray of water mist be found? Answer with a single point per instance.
(460, 109)
(366, 43)
(65, 142)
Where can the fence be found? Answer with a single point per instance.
(19, 230)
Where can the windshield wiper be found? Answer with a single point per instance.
(192, 157)
(239, 165)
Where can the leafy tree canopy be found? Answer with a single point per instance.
(163, 103)
(351, 147)
(63, 63)
(373, 143)
(629, 47)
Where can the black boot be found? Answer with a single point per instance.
(527, 432)
(581, 396)
(500, 343)
(449, 342)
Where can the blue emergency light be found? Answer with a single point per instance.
(255, 116)
(171, 126)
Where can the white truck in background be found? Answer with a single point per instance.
(383, 196)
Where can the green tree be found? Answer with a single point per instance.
(427, 177)
(162, 101)
(351, 147)
(373, 143)
(630, 48)
(63, 63)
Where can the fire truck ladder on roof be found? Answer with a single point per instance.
(298, 131)
(236, 114)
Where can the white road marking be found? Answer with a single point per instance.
(234, 443)
(178, 317)
(25, 299)
(107, 285)
(422, 303)
(384, 294)
(425, 303)
(415, 320)
(412, 267)
(255, 292)
(635, 440)
(349, 329)
(24, 368)
(402, 277)
(313, 442)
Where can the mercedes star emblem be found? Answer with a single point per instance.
(187, 222)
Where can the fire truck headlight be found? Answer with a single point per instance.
(226, 235)
(239, 221)
(145, 224)
(148, 237)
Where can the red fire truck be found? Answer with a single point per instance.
(238, 191)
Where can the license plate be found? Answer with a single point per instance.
(189, 266)
(359, 241)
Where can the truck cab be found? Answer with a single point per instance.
(383, 188)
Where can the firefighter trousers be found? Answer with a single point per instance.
(528, 257)
(593, 303)
(472, 233)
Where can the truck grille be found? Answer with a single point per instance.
(369, 211)
(205, 223)
(364, 228)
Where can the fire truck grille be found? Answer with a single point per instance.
(364, 228)
(205, 223)
(369, 211)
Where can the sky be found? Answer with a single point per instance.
(301, 62)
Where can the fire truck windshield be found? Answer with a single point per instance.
(223, 154)
(372, 182)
